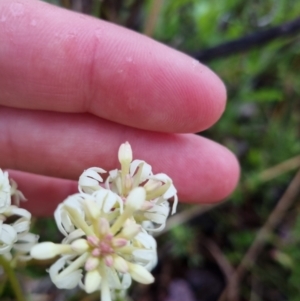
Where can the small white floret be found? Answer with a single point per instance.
(125, 154)
(92, 281)
(80, 245)
(120, 264)
(47, 250)
(5, 199)
(140, 274)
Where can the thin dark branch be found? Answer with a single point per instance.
(250, 41)
(286, 201)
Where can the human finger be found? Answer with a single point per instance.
(42, 193)
(58, 60)
(63, 145)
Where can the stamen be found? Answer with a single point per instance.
(91, 263)
(93, 241)
(96, 252)
(119, 242)
(128, 182)
(158, 192)
(147, 205)
(109, 261)
(77, 220)
(109, 236)
(105, 248)
(103, 226)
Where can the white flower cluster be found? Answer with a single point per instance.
(107, 228)
(159, 188)
(15, 239)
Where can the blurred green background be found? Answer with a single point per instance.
(202, 247)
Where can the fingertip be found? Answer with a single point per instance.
(212, 175)
(205, 99)
(227, 175)
(66, 62)
(166, 91)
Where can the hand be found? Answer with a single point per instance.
(73, 88)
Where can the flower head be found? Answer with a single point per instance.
(159, 188)
(103, 244)
(106, 225)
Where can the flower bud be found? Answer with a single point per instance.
(47, 250)
(91, 263)
(103, 226)
(120, 264)
(92, 281)
(109, 261)
(131, 231)
(119, 242)
(140, 274)
(80, 245)
(125, 154)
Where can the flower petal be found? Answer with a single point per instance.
(146, 169)
(147, 258)
(14, 210)
(89, 180)
(21, 225)
(140, 274)
(8, 237)
(61, 216)
(70, 280)
(25, 243)
(78, 233)
(146, 240)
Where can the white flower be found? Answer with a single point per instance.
(159, 188)
(90, 179)
(5, 199)
(15, 239)
(103, 244)
(8, 236)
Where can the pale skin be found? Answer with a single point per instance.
(73, 88)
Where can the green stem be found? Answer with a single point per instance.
(3, 284)
(12, 278)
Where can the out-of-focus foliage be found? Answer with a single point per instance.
(193, 24)
(260, 124)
